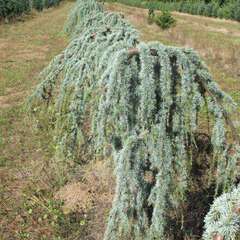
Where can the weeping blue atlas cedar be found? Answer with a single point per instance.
(146, 101)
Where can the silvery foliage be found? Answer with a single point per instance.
(107, 19)
(156, 110)
(224, 217)
(146, 106)
(70, 79)
(81, 10)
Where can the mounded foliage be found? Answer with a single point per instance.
(145, 104)
(81, 11)
(223, 218)
(156, 101)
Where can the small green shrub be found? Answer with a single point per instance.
(38, 5)
(151, 15)
(165, 20)
(14, 8)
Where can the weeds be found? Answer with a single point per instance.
(42, 209)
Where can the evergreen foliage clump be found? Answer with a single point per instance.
(223, 218)
(235, 10)
(38, 5)
(14, 8)
(165, 20)
(156, 105)
(82, 56)
(145, 101)
(81, 11)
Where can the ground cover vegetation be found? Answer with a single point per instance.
(15, 8)
(108, 93)
(229, 9)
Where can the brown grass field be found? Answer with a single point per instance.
(32, 189)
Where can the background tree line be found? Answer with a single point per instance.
(15, 8)
(228, 9)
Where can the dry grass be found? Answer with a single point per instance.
(91, 196)
(25, 48)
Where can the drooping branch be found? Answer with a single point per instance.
(228, 120)
(134, 51)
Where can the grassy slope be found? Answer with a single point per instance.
(27, 181)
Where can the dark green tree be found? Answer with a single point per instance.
(38, 5)
(14, 8)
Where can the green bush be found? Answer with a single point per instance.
(38, 5)
(14, 8)
(234, 10)
(165, 20)
(51, 3)
(214, 12)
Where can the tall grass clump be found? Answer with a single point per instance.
(143, 104)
